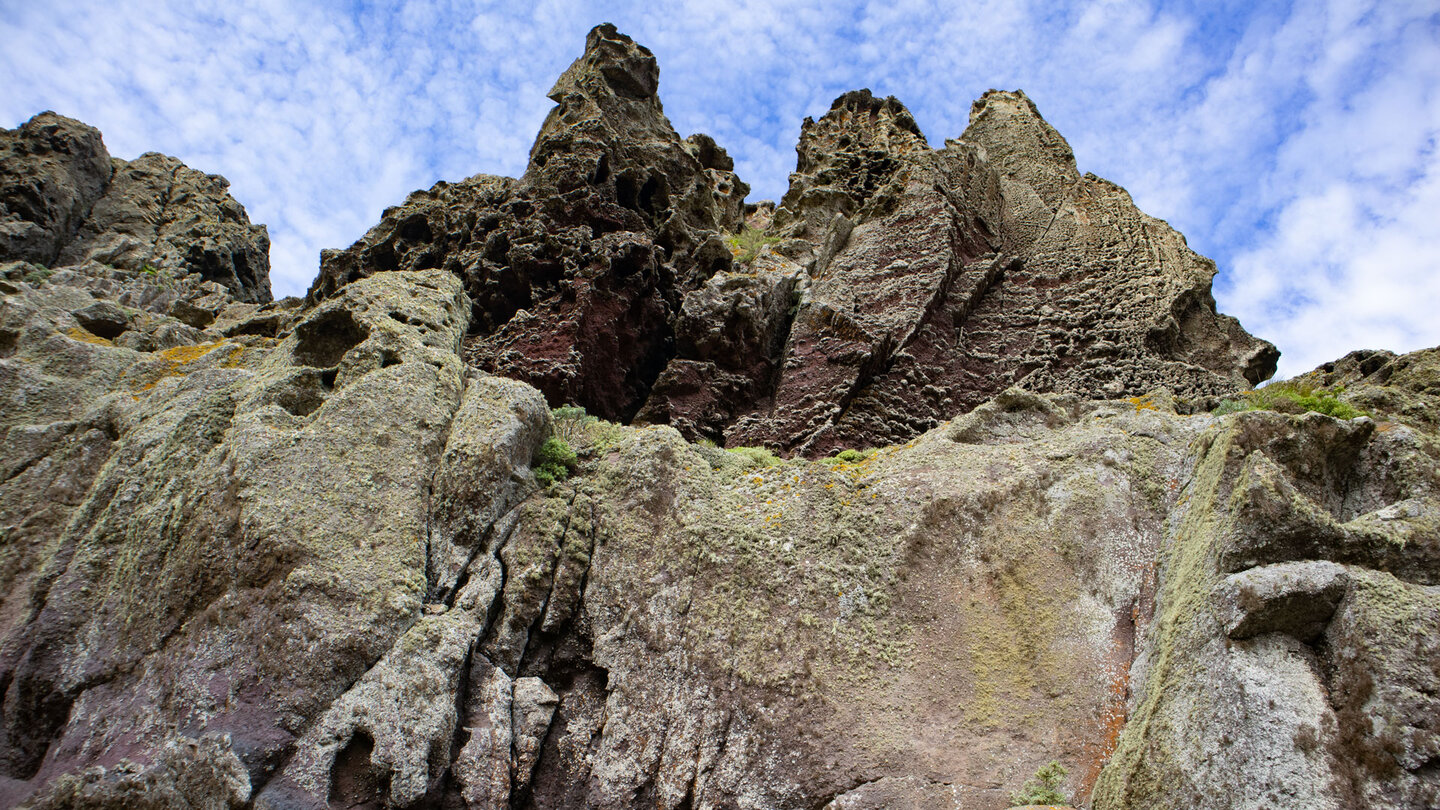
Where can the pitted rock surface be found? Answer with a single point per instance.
(895, 286)
(576, 271)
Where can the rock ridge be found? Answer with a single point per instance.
(65, 202)
(893, 287)
(296, 555)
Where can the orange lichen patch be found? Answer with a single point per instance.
(1111, 722)
(1142, 403)
(84, 336)
(173, 361)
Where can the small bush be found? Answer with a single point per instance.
(38, 276)
(553, 461)
(850, 456)
(1043, 787)
(757, 456)
(571, 422)
(1289, 396)
(587, 435)
(747, 244)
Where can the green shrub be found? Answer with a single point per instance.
(1288, 396)
(587, 435)
(747, 244)
(553, 461)
(850, 456)
(1043, 787)
(38, 276)
(757, 456)
(571, 422)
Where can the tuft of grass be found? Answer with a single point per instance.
(757, 456)
(1289, 396)
(747, 244)
(553, 461)
(850, 456)
(1043, 787)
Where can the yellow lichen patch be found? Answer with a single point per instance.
(174, 361)
(84, 336)
(1142, 403)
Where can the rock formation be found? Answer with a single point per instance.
(294, 554)
(907, 285)
(64, 201)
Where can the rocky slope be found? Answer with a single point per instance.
(294, 555)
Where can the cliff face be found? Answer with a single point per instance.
(294, 555)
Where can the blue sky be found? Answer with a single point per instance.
(1294, 144)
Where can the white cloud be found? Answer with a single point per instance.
(1296, 146)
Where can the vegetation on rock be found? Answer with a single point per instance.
(554, 461)
(1290, 396)
(746, 245)
(1043, 787)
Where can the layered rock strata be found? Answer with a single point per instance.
(64, 202)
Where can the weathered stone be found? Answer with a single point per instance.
(64, 201)
(292, 555)
(577, 270)
(1293, 598)
(201, 774)
(52, 170)
(257, 506)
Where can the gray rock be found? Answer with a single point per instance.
(52, 171)
(1297, 599)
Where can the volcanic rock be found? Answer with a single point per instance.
(64, 201)
(894, 287)
(576, 271)
(294, 555)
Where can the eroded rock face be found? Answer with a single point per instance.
(294, 555)
(939, 278)
(64, 201)
(894, 287)
(314, 569)
(576, 271)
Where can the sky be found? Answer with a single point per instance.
(1293, 143)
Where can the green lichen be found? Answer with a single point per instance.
(1139, 765)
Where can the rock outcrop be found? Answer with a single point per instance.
(577, 270)
(295, 555)
(894, 287)
(64, 202)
